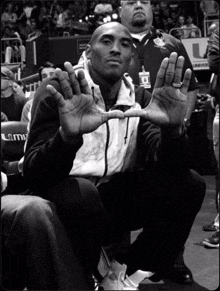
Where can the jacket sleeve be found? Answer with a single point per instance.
(213, 53)
(48, 160)
(158, 148)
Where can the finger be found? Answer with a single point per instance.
(73, 79)
(112, 114)
(186, 81)
(179, 70)
(161, 73)
(135, 113)
(59, 98)
(171, 69)
(64, 83)
(83, 83)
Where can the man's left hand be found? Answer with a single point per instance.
(168, 104)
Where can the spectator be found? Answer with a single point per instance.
(8, 46)
(209, 7)
(65, 154)
(58, 17)
(180, 24)
(191, 29)
(46, 71)
(68, 16)
(214, 64)
(14, 50)
(158, 17)
(19, 88)
(11, 102)
(151, 47)
(24, 28)
(165, 11)
(28, 7)
(9, 17)
(36, 32)
(168, 25)
(103, 7)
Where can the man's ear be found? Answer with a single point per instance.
(88, 51)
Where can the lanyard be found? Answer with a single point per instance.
(140, 47)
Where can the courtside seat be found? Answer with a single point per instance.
(13, 137)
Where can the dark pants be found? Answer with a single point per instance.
(164, 206)
(59, 236)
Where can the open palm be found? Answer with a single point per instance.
(168, 104)
(77, 109)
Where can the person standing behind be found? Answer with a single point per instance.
(11, 103)
(150, 47)
(214, 64)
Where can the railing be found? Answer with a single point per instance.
(13, 52)
(180, 32)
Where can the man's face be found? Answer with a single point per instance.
(181, 20)
(47, 72)
(137, 16)
(110, 53)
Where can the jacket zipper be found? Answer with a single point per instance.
(106, 150)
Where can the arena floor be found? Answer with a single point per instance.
(203, 262)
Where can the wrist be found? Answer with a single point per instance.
(174, 132)
(68, 138)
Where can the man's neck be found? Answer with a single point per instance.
(108, 88)
(110, 93)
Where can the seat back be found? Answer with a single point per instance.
(13, 137)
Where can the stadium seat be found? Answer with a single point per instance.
(13, 137)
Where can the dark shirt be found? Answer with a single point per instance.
(150, 52)
(12, 106)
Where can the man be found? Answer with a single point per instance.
(150, 48)
(11, 102)
(45, 71)
(87, 126)
(213, 103)
(190, 29)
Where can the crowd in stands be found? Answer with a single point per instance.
(53, 18)
(27, 20)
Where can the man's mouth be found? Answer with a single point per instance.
(139, 13)
(114, 61)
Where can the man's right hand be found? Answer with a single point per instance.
(77, 109)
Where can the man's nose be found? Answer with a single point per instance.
(138, 3)
(115, 47)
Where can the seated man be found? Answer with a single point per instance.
(103, 156)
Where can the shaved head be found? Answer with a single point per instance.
(104, 27)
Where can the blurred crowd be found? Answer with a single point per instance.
(27, 20)
(60, 18)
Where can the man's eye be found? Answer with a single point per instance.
(125, 44)
(106, 41)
